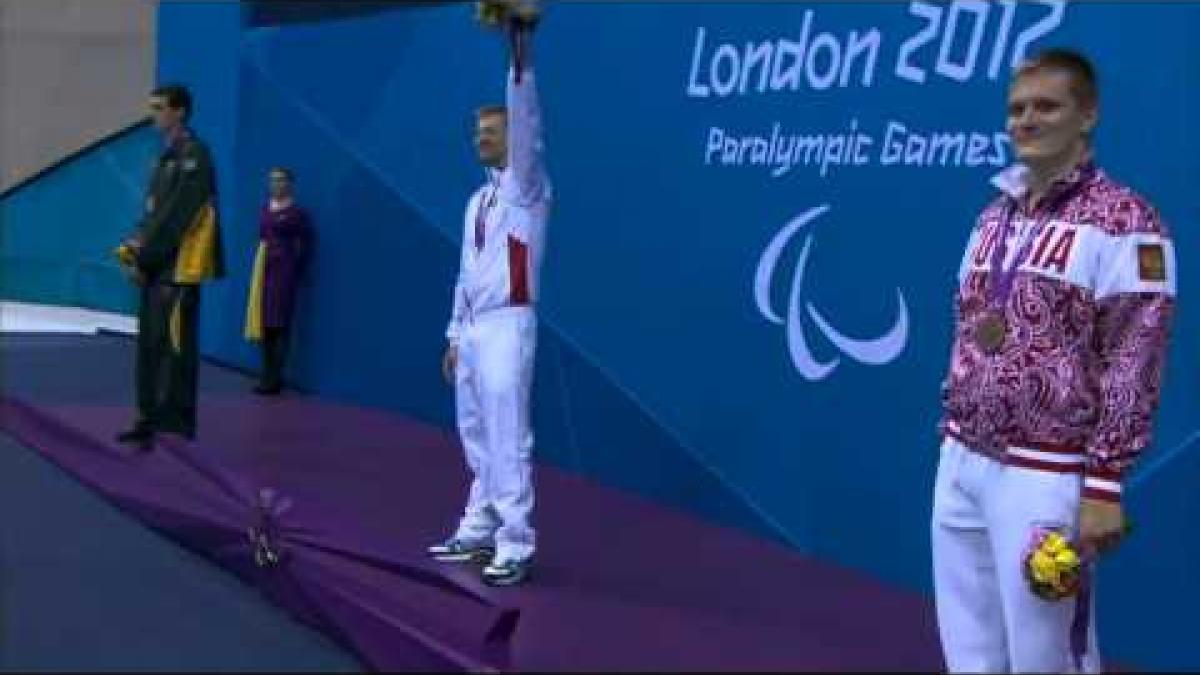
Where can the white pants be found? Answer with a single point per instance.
(984, 513)
(492, 383)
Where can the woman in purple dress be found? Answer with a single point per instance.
(285, 233)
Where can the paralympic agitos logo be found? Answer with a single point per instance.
(872, 351)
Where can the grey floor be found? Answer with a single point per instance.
(83, 587)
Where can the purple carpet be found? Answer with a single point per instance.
(326, 509)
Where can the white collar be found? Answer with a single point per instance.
(1013, 181)
(493, 174)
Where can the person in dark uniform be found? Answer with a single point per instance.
(285, 234)
(175, 248)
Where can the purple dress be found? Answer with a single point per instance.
(287, 234)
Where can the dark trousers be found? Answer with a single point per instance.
(274, 352)
(167, 357)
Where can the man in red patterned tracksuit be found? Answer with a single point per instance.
(1062, 313)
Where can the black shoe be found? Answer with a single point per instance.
(189, 434)
(141, 438)
(136, 435)
(186, 430)
(268, 389)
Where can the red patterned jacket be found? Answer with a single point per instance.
(1076, 382)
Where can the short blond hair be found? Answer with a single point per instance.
(1078, 66)
(490, 110)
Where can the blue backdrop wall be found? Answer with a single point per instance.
(58, 229)
(761, 210)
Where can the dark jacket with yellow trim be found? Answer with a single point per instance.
(180, 233)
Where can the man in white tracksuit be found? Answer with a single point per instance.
(493, 330)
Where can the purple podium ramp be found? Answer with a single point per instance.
(327, 508)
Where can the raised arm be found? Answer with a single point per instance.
(527, 180)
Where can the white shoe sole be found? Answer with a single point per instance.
(507, 579)
(483, 556)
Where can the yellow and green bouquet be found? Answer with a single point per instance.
(498, 13)
(126, 254)
(1052, 565)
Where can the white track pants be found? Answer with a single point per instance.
(984, 513)
(493, 379)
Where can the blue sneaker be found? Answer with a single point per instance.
(461, 550)
(507, 573)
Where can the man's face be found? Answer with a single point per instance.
(1045, 118)
(491, 139)
(165, 117)
(280, 185)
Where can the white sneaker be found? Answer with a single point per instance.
(460, 550)
(506, 573)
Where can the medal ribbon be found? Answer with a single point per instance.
(1000, 281)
